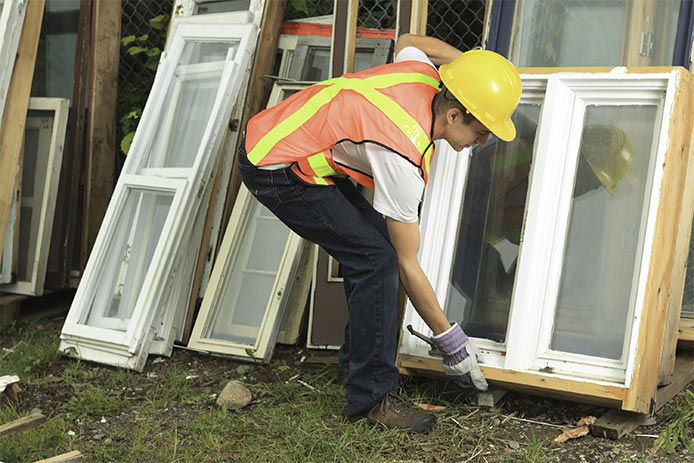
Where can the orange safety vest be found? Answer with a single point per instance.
(389, 105)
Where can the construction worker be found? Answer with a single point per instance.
(377, 128)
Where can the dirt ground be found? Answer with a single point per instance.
(175, 392)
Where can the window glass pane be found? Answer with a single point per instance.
(188, 105)
(37, 145)
(223, 6)
(489, 231)
(318, 65)
(55, 61)
(605, 236)
(593, 33)
(247, 287)
(128, 257)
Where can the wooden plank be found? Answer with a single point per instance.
(29, 421)
(650, 338)
(64, 222)
(528, 382)
(16, 105)
(259, 89)
(69, 457)
(9, 309)
(351, 38)
(679, 272)
(418, 22)
(685, 331)
(616, 424)
(290, 329)
(682, 376)
(339, 37)
(103, 95)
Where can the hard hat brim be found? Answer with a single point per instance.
(505, 130)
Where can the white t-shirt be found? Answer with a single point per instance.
(398, 184)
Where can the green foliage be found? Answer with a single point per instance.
(29, 357)
(145, 51)
(678, 431)
(299, 6)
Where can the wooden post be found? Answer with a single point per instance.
(103, 98)
(16, 105)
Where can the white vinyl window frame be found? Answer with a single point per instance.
(533, 302)
(130, 348)
(231, 251)
(46, 204)
(296, 49)
(11, 23)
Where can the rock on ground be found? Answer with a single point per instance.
(234, 396)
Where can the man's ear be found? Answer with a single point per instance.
(452, 115)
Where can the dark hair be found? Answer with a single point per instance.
(444, 100)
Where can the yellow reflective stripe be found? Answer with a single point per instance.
(320, 181)
(401, 118)
(291, 123)
(365, 87)
(320, 165)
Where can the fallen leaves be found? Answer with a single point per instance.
(582, 428)
(431, 408)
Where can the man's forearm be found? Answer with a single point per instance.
(438, 51)
(422, 295)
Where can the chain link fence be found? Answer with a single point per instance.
(136, 70)
(459, 23)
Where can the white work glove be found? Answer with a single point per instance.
(460, 358)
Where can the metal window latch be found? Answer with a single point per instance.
(647, 39)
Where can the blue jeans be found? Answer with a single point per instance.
(344, 224)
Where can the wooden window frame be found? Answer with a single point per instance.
(37, 268)
(516, 362)
(130, 350)
(278, 296)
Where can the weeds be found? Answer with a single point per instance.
(678, 430)
(92, 401)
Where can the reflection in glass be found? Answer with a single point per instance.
(188, 105)
(489, 231)
(247, 288)
(605, 236)
(138, 231)
(591, 32)
(318, 66)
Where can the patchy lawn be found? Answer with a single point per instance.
(168, 414)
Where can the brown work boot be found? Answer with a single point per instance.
(395, 412)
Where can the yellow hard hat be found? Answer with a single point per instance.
(608, 150)
(489, 87)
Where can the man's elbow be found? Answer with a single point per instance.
(405, 40)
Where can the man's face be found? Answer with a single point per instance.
(460, 135)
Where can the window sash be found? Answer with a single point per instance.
(213, 302)
(546, 221)
(43, 206)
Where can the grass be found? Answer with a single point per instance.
(678, 431)
(168, 414)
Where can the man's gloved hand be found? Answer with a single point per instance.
(460, 358)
